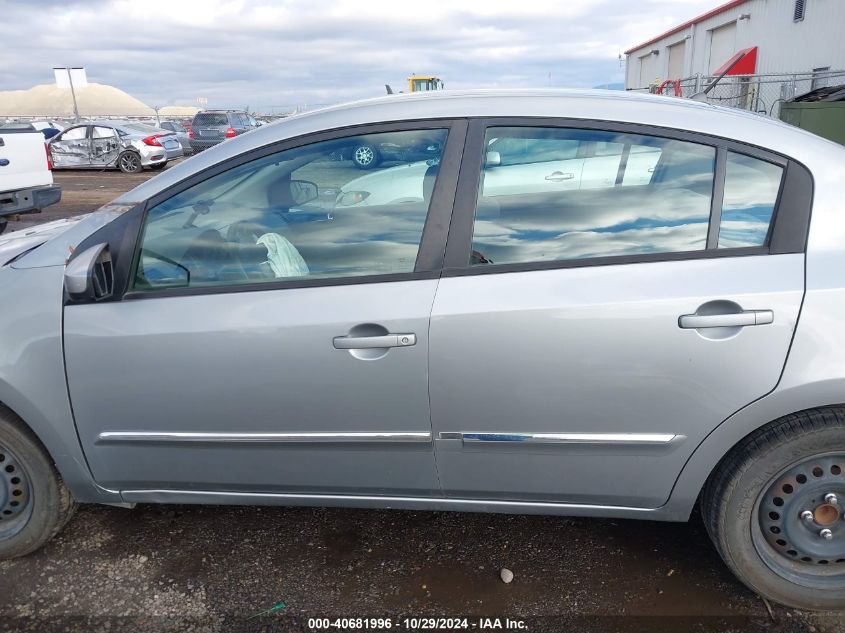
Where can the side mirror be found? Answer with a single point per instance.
(303, 191)
(90, 275)
(493, 159)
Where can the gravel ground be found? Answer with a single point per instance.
(211, 568)
(194, 568)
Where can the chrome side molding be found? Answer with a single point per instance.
(376, 501)
(109, 437)
(638, 439)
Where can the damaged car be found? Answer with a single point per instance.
(124, 145)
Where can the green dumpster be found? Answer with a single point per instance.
(825, 118)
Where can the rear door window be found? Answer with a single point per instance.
(102, 132)
(590, 193)
(751, 193)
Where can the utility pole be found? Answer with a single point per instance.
(73, 95)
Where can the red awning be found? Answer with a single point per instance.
(745, 63)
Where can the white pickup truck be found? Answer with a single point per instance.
(26, 179)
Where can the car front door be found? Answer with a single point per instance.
(583, 343)
(72, 148)
(271, 340)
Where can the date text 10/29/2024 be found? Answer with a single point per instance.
(416, 624)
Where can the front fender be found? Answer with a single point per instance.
(32, 373)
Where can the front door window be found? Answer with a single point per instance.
(303, 213)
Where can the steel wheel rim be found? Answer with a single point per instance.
(129, 162)
(364, 155)
(790, 542)
(15, 494)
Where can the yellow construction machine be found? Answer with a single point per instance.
(420, 83)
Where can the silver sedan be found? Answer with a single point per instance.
(581, 304)
(125, 145)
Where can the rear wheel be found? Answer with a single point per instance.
(34, 502)
(775, 510)
(129, 162)
(365, 156)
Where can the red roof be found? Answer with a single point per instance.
(704, 16)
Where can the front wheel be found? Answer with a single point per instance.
(129, 162)
(775, 509)
(34, 502)
(365, 156)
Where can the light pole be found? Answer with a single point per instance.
(72, 91)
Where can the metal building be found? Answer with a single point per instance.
(777, 49)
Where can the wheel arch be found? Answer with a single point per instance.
(63, 450)
(708, 455)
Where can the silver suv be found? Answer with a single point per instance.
(583, 304)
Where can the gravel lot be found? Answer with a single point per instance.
(212, 568)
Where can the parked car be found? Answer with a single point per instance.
(39, 126)
(124, 145)
(181, 134)
(211, 127)
(26, 179)
(48, 128)
(516, 168)
(366, 153)
(666, 338)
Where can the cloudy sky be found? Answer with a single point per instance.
(274, 55)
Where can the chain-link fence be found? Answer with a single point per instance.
(758, 93)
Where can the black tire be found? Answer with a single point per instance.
(753, 504)
(158, 166)
(34, 502)
(365, 156)
(129, 162)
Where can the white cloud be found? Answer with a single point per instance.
(281, 54)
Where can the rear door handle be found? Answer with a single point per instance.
(735, 319)
(370, 342)
(559, 176)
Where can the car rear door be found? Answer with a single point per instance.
(105, 145)
(271, 341)
(597, 336)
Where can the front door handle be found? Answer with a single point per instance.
(559, 176)
(374, 342)
(734, 319)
